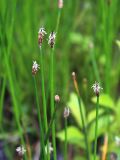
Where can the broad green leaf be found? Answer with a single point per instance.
(118, 43)
(105, 100)
(74, 107)
(74, 136)
(92, 115)
(103, 123)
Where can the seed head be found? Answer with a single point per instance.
(60, 4)
(51, 40)
(73, 74)
(96, 88)
(41, 34)
(49, 148)
(57, 98)
(20, 150)
(66, 112)
(35, 67)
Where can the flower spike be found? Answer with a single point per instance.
(51, 40)
(96, 88)
(20, 150)
(41, 34)
(35, 67)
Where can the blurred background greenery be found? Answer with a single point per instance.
(86, 43)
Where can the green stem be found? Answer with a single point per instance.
(94, 64)
(84, 128)
(1, 102)
(52, 101)
(50, 126)
(43, 89)
(15, 102)
(40, 121)
(44, 97)
(52, 88)
(7, 150)
(58, 20)
(65, 152)
(96, 128)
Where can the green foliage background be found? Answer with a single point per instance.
(85, 43)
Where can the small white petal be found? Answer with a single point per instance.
(66, 112)
(21, 150)
(50, 148)
(96, 88)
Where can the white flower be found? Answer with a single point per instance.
(66, 112)
(20, 150)
(41, 34)
(35, 67)
(42, 31)
(117, 140)
(49, 148)
(51, 40)
(96, 88)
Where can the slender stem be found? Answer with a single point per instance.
(82, 118)
(14, 99)
(6, 51)
(84, 128)
(52, 88)
(44, 97)
(50, 126)
(58, 20)
(52, 101)
(40, 121)
(27, 142)
(1, 102)
(96, 128)
(43, 89)
(94, 64)
(65, 151)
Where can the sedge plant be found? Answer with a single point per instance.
(35, 68)
(51, 42)
(66, 115)
(41, 35)
(96, 88)
(81, 114)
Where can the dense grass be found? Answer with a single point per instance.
(86, 34)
